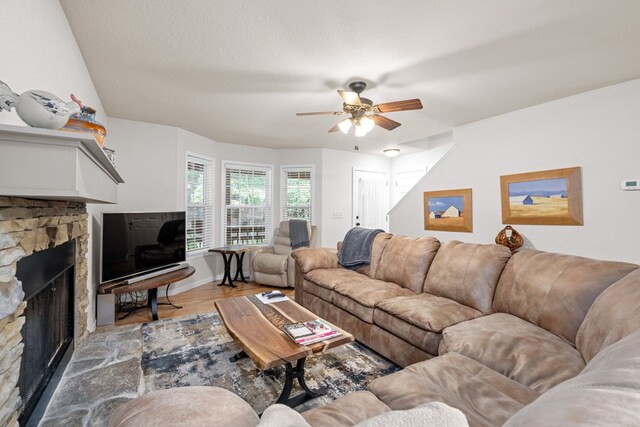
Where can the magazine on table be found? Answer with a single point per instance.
(310, 332)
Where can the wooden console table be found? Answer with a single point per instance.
(151, 285)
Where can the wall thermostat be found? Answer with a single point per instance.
(630, 184)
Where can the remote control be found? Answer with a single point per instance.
(275, 295)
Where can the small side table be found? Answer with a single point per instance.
(227, 253)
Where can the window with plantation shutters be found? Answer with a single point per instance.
(199, 202)
(247, 210)
(296, 197)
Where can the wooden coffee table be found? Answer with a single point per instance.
(257, 328)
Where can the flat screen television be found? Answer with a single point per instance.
(138, 242)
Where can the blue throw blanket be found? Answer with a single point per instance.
(356, 247)
(299, 233)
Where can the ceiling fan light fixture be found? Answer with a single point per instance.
(367, 124)
(345, 125)
(391, 152)
(361, 130)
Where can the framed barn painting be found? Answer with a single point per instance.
(448, 210)
(552, 197)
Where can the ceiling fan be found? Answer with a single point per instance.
(364, 114)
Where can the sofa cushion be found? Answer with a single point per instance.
(554, 291)
(319, 291)
(431, 414)
(606, 393)
(425, 340)
(467, 273)
(614, 315)
(330, 277)
(515, 348)
(360, 298)
(405, 261)
(377, 248)
(346, 411)
(419, 319)
(483, 395)
(270, 263)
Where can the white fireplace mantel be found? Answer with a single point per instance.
(55, 165)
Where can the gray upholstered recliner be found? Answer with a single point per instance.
(273, 265)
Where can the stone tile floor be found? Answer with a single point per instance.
(104, 372)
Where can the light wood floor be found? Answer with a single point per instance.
(198, 300)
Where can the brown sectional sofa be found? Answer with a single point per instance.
(484, 331)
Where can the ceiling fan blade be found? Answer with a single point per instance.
(322, 113)
(407, 104)
(336, 128)
(384, 122)
(350, 98)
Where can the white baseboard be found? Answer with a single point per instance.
(178, 288)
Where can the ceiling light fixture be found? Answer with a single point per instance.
(367, 123)
(391, 152)
(345, 125)
(360, 130)
(363, 125)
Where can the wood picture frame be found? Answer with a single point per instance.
(448, 210)
(555, 199)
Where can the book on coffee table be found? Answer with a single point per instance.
(310, 332)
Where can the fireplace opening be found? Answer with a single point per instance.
(48, 281)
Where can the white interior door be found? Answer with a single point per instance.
(370, 199)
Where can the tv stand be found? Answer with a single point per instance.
(151, 285)
(142, 277)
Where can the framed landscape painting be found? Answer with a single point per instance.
(448, 210)
(552, 197)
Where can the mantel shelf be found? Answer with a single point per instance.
(55, 165)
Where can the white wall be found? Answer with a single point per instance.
(38, 51)
(337, 191)
(597, 130)
(423, 161)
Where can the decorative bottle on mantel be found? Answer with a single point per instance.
(85, 121)
(38, 108)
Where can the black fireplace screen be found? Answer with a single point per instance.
(48, 281)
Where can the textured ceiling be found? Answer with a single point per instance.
(237, 71)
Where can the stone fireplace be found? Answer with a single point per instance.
(28, 226)
(46, 179)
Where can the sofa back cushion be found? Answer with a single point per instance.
(467, 273)
(554, 291)
(605, 393)
(377, 248)
(405, 261)
(614, 315)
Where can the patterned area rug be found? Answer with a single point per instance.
(195, 350)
